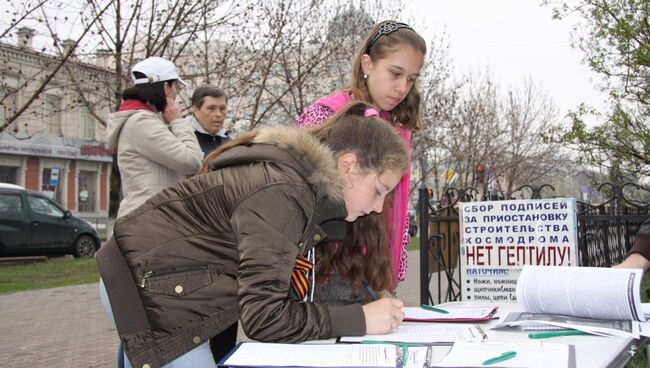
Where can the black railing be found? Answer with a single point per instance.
(605, 232)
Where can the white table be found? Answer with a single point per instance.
(591, 351)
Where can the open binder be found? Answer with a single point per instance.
(256, 354)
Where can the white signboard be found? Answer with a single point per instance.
(54, 176)
(498, 238)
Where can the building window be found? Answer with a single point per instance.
(52, 117)
(48, 180)
(86, 192)
(8, 174)
(86, 124)
(8, 107)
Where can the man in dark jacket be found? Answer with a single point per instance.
(209, 106)
(639, 255)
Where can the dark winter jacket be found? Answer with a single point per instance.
(221, 246)
(209, 142)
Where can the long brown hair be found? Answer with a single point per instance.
(364, 254)
(406, 112)
(378, 148)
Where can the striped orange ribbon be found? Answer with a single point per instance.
(299, 279)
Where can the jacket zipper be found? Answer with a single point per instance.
(169, 271)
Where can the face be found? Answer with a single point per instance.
(390, 79)
(212, 113)
(365, 192)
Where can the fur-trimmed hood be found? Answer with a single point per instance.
(294, 147)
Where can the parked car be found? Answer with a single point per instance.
(33, 224)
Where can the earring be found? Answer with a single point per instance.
(365, 76)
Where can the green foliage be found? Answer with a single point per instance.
(614, 36)
(53, 272)
(622, 143)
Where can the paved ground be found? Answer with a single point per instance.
(67, 327)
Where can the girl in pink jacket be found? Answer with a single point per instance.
(384, 73)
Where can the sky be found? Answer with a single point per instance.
(515, 39)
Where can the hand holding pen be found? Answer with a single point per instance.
(383, 315)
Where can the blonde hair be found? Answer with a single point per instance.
(379, 46)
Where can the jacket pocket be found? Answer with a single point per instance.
(177, 283)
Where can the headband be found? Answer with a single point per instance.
(386, 29)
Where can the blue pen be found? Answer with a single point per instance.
(371, 292)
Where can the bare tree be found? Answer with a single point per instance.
(529, 155)
(492, 142)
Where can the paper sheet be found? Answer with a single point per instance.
(253, 354)
(531, 355)
(455, 313)
(591, 292)
(426, 334)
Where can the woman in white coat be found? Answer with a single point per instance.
(155, 146)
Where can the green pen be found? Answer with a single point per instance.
(505, 356)
(433, 309)
(544, 335)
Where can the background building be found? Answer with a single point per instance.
(57, 146)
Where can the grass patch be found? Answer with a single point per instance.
(414, 244)
(53, 272)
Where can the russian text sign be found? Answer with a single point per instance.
(498, 238)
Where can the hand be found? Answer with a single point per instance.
(172, 112)
(383, 315)
(634, 260)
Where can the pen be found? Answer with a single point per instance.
(433, 309)
(543, 335)
(371, 292)
(505, 356)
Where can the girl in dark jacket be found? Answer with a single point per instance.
(234, 242)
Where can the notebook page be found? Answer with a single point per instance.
(531, 355)
(454, 313)
(254, 354)
(602, 293)
(426, 334)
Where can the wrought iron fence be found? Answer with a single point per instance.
(606, 232)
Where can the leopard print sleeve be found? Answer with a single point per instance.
(314, 115)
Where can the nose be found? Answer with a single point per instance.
(378, 205)
(402, 86)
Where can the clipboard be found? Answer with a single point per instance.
(457, 314)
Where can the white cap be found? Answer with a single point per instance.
(156, 69)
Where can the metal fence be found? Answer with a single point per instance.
(606, 232)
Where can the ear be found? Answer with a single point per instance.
(194, 109)
(366, 63)
(347, 162)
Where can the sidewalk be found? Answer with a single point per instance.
(67, 327)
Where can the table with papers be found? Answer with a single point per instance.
(585, 350)
(590, 350)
